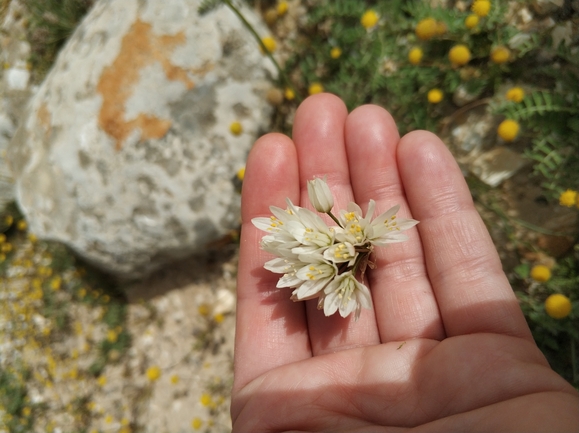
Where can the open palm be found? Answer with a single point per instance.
(446, 347)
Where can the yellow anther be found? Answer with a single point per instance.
(312, 268)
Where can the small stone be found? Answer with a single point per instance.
(497, 165)
(472, 134)
(562, 33)
(224, 302)
(461, 96)
(17, 79)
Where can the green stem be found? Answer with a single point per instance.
(331, 215)
(249, 27)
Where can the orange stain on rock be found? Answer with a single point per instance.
(139, 48)
(44, 117)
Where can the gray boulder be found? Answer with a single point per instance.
(125, 153)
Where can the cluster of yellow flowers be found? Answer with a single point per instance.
(44, 305)
(460, 54)
(557, 305)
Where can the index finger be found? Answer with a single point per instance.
(271, 330)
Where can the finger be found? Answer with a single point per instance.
(403, 298)
(271, 329)
(319, 138)
(470, 286)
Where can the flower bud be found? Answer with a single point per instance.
(320, 195)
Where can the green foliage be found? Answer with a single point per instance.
(115, 314)
(13, 398)
(552, 117)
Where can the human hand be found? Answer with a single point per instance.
(446, 347)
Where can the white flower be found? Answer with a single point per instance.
(320, 195)
(319, 261)
(311, 231)
(386, 228)
(346, 295)
(314, 275)
(341, 252)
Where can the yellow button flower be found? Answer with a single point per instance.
(459, 55)
(515, 94)
(415, 55)
(481, 7)
(369, 19)
(568, 198)
(435, 96)
(269, 43)
(153, 373)
(335, 53)
(206, 399)
(500, 55)
(282, 8)
(315, 88)
(508, 129)
(196, 423)
(426, 29)
(471, 21)
(235, 128)
(112, 336)
(204, 309)
(289, 94)
(540, 273)
(558, 306)
(102, 380)
(241, 173)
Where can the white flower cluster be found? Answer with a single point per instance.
(319, 261)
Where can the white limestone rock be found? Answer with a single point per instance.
(125, 154)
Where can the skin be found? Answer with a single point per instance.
(446, 347)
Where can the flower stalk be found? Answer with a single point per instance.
(286, 81)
